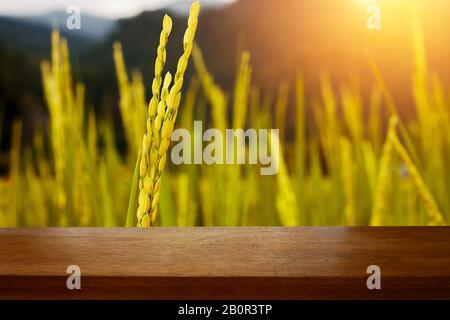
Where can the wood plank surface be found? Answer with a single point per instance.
(226, 263)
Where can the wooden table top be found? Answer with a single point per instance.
(226, 263)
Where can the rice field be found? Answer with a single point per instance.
(353, 163)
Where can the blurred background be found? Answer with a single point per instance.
(283, 37)
(327, 42)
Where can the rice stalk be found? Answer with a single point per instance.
(163, 113)
(167, 206)
(13, 218)
(286, 201)
(241, 92)
(382, 189)
(348, 177)
(212, 91)
(280, 109)
(300, 146)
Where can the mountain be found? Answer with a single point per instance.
(181, 7)
(33, 39)
(23, 45)
(92, 27)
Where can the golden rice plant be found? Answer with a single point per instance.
(132, 101)
(162, 113)
(342, 168)
(434, 215)
(348, 177)
(286, 201)
(382, 188)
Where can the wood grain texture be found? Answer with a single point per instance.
(226, 263)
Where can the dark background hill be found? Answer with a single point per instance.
(95, 28)
(23, 45)
(31, 38)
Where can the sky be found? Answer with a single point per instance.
(103, 8)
